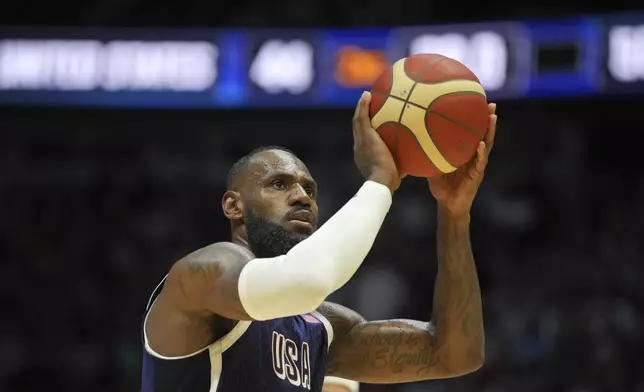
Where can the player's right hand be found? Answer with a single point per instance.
(370, 153)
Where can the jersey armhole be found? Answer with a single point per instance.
(221, 345)
(327, 326)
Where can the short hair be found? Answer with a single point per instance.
(241, 164)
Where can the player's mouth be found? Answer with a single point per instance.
(302, 218)
(301, 223)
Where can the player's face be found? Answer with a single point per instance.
(285, 193)
(282, 209)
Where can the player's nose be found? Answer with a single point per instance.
(299, 195)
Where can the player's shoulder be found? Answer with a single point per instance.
(209, 263)
(218, 253)
(194, 275)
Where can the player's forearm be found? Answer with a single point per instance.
(299, 281)
(458, 315)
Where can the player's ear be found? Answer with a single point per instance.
(232, 205)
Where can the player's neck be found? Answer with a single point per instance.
(239, 237)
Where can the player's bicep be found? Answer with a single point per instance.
(390, 351)
(207, 281)
(387, 351)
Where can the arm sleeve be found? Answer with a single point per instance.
(298, 282)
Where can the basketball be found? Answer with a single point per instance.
(431, 111)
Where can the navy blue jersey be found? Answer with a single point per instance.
(285, 354)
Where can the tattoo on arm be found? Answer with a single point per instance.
(395, 346)
(388, 351)
(197, 275)
(207, 280)
(457, 296)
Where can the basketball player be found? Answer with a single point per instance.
(337, 384)
(249, 315)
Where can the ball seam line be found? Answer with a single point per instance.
(421, 106)
(406, 102)
(460, 124)
(448, 118)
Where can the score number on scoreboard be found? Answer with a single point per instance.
(485, 53)
(626, 53)
(283, 66)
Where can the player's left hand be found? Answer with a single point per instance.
(456, 191)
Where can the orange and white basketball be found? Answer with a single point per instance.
(431, 111)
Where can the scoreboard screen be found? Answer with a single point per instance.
(228, 68)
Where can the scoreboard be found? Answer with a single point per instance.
(229, 68)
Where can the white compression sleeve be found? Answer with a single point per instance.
(299, 281)
(350, 385)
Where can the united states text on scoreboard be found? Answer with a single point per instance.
(309, 67)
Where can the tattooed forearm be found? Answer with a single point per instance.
(398, 350)
(457, 298)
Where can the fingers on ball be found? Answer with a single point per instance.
(489, 138)
(361, 118)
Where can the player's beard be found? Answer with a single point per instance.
(268, 239)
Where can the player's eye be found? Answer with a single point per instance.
(278, 184)
(309, 191)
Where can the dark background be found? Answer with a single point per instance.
(95, 205)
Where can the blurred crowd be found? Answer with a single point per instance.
(96, 205)
(302, 13)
